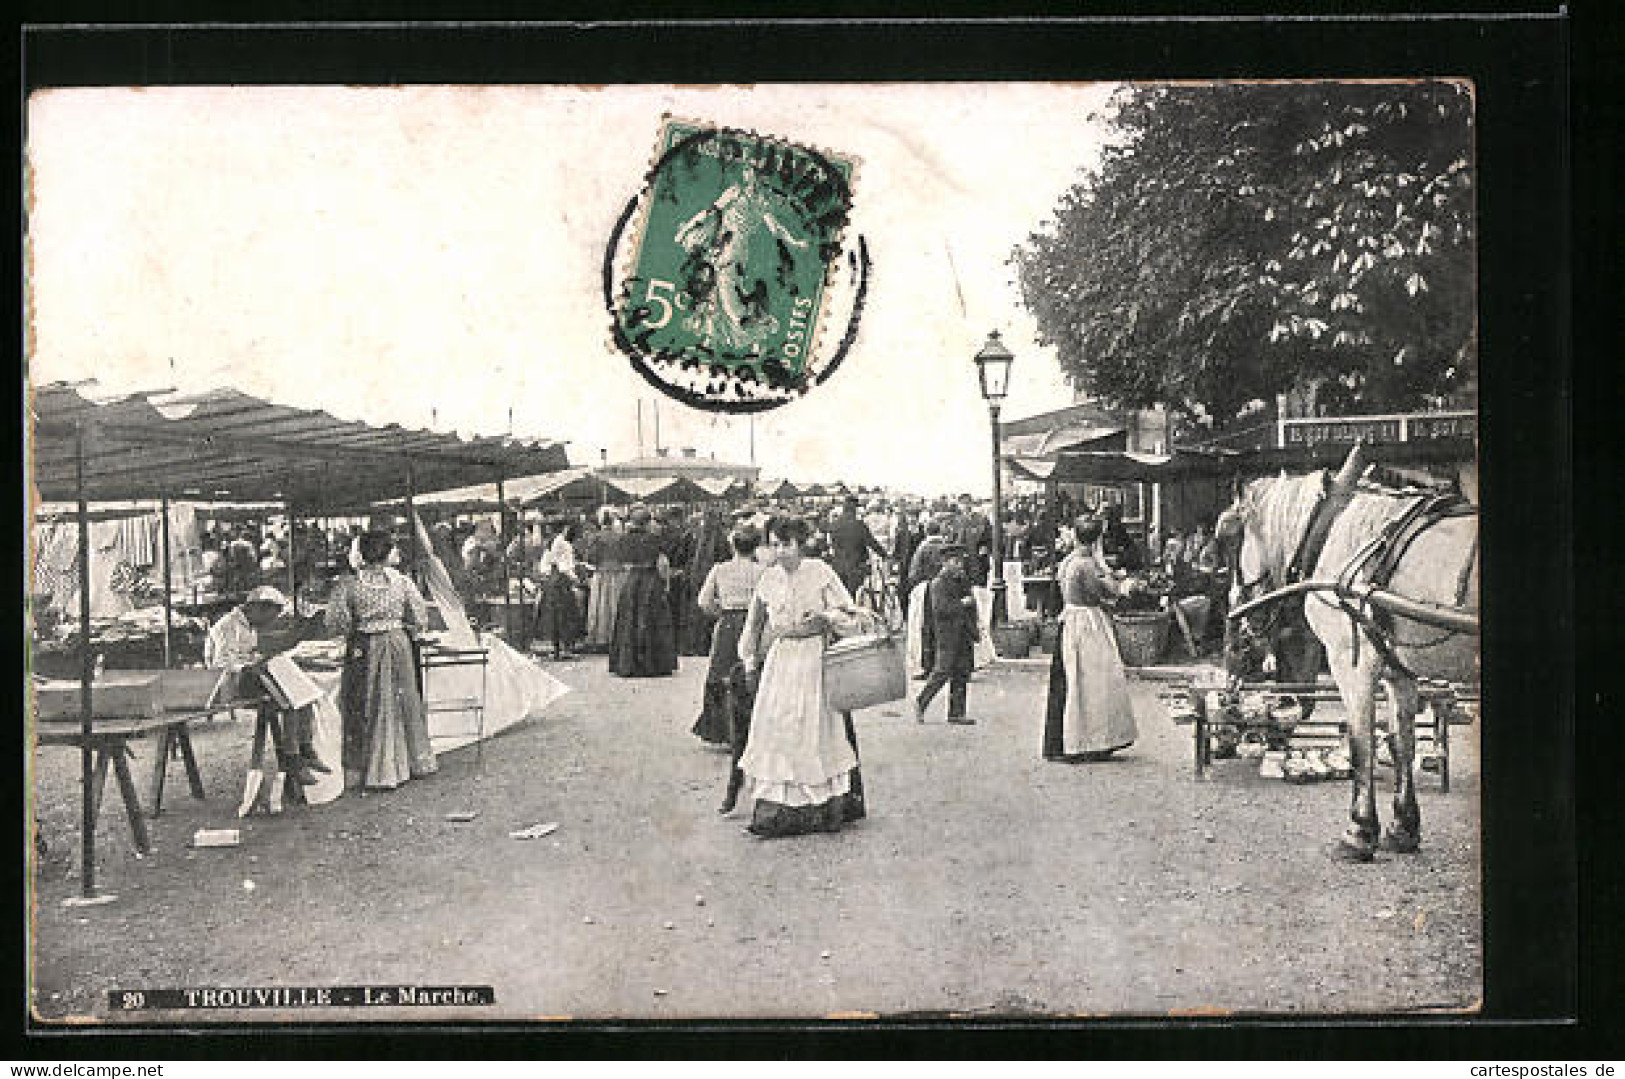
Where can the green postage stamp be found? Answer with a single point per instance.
(733, 259)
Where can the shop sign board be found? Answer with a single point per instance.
(1414, 427)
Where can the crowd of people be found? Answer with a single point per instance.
(761, 590)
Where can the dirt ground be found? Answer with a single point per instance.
(986, 881)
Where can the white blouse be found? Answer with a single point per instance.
(730, 585)
(785, 599)
(560, 556)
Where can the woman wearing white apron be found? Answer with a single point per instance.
(1089, 715)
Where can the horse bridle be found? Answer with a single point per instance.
(1261, 625)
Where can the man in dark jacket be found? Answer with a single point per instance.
(952, 612)
(904, 543)
(1117, 544)
(677, 543)
(850, 544)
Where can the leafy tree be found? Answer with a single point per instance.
(1242, 240)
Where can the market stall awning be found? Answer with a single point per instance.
(1073, 427)
(722, 488)
(1081, 466)
(575, 485)
(572, 484)
(663, 489)
(224, 445)
(778, 489)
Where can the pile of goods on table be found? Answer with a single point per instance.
(1252, 725)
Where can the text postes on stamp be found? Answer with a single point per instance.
(732, 262)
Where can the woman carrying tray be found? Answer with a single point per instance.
(801, 762)
(1089, 715)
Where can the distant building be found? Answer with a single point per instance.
(685, 463)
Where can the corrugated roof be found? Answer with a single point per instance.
(228, 445)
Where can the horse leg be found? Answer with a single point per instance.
(1357, 683)
(1404, 832)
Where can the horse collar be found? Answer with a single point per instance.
(1328, 508)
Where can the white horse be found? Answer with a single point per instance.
(1365, 644)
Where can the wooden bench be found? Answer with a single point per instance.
(110, 740)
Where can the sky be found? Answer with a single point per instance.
(431, 256)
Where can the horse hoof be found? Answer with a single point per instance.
(1350, 853)
(1395, 841)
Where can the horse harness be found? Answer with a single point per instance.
(1379, 559)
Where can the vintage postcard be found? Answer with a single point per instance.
(543, 553)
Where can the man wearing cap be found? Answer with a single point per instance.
(974, 532)
(234, 642)
(952, 612)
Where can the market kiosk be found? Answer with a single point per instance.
(222, 445)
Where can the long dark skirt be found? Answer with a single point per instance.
(386, 732)
(693, 625)
(715, 725)
(773, 820)
(677, 600)
(644, 643)
(699, 630)
(1055, 701)
(740, 693)
(558, 618)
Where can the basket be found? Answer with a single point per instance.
(862, 672)
(1012, 641)
(1141, 636)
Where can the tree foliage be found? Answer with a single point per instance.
(1243, 240)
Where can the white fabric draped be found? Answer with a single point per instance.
(515, 687)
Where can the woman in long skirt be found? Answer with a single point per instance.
(801, 762)
(557, 617)
(386, 732)
(1089, 715)
(609, 577)
(725, 598)
(643, 643)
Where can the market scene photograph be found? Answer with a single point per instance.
(546, 554)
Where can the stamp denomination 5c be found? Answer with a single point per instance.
(733, 254)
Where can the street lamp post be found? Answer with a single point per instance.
(993, 372)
